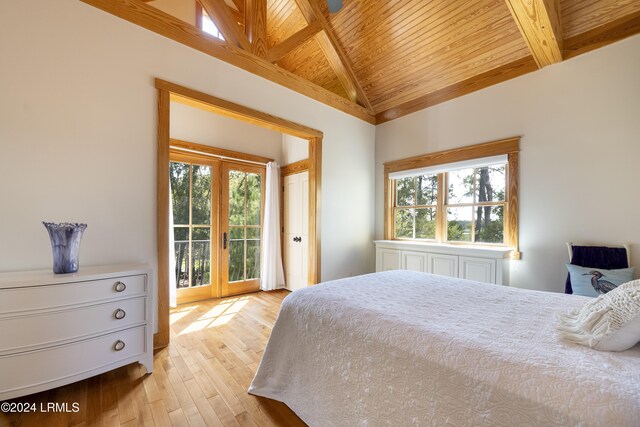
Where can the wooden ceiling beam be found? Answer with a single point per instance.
(603, 35)
(333, 51)
(256, 26)
(222, 16)
(539, 23)
(342, 72)
(153, 19)
(306, 9)
(237, 17)
(239, 6)
(296, 40)
(199, 15)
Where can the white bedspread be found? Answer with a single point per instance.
(403, 348)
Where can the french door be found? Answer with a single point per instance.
(217, 209)
(241, 214)
(194, 181)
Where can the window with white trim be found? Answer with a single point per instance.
(460, 201)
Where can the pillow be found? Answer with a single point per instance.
(610, 322)
(591, 281)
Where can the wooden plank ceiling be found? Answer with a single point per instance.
(391, 58)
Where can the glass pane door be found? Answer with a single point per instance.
(241, 225)
(193, 226)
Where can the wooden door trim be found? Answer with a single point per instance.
(315, 198)
(178, 145)
(203, 101)
(165, 92)
(293, 168)
(161, 339)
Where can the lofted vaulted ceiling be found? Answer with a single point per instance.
(380, 59)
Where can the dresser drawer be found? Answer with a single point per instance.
(26, 332)
(30, 369)
(17, 300)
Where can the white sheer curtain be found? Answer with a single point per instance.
(271, 270)
(172, 255)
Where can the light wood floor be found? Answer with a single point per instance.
(201, 379)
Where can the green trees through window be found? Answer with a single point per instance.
(416, 203)
(191, 203)
(245, 205)
(473, 207)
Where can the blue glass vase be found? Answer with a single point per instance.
(65, 244)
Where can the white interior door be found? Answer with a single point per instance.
(296, 230)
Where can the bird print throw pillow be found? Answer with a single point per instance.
(591, 281)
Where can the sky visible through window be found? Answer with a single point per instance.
(209, 27)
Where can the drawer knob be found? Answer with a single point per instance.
(120, 287)
(119, 314)
(119, 345)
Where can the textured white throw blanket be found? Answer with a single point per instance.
(609, 322)
(404, 348)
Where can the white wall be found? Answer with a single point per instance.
(202, 127)
(181, 9)
(78, 133)
(580, 150)
(294, 149)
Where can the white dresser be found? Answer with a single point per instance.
(56, 329)
(482, 264)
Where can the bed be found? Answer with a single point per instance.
(407, 348)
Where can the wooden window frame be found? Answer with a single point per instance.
(168, 92)
(436, 207)
(509, 147)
